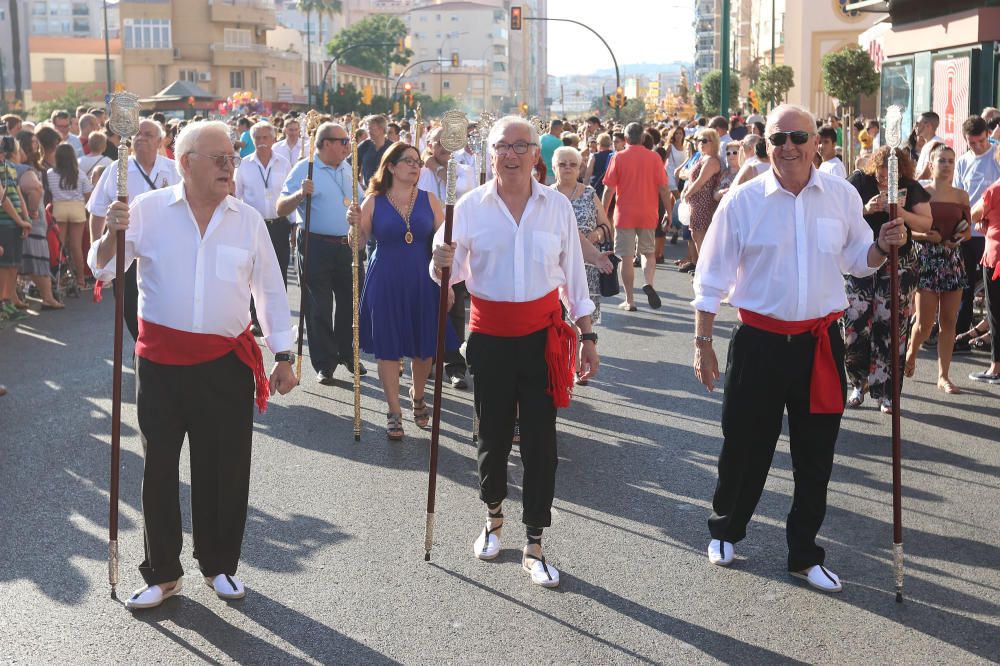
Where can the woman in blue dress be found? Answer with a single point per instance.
(399, 305)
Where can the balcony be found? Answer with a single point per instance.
(249, 55)
(244, 12)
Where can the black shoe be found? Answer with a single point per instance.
(349, 364)
(458, 381)
(325, 377)
(961, 347)
(673, 238)
(652, 296)
(637, 263)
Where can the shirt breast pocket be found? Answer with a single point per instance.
(830, 235)
(545, 247)
(232, 264)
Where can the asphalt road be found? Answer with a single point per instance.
(333, 554)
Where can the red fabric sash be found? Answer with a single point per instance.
(170, 346)
(825, 394)
(507, 319)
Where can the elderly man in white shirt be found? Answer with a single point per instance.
(258, 183)
(200, 254)
(292, 147)
(517, 247)
(433, 177)
(777, 248)
(147, 170)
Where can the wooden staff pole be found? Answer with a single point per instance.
(355, 302)
(312, 127)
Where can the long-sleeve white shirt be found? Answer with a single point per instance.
(259, 185)
(291, 152)
(501, 260)
(783, 255)
(203, 284)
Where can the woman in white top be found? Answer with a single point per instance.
(70, 190)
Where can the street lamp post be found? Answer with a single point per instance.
(107, 48)
(724, 83)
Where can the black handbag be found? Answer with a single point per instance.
(609, 281)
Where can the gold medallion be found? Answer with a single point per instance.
(347, 202)
(408, 237)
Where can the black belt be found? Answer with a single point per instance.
(276, 219)
(333, 240)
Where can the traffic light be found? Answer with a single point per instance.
(754, 103)
(401, 45)
(367, 93)
(612, 101)
(326, 97)
(454, 59)
(190, 101)
(524, 108)
(620, 97)
(515, 17)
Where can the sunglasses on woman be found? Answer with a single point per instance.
(798, 137)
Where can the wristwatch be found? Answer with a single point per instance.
(880, 250)
(589, 336)
(285, 357)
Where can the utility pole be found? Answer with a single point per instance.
(107, 48)
(772, 34)
(724, 59)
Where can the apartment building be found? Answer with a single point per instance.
(221, 45)
(72, 18)
(60, 63)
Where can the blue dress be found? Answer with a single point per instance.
(399, 304)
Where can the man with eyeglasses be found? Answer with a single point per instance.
(327, 275)
(259, 180)
(147, 171)
(201, 255)
(63, 123)
(517, 247)
(778, 247)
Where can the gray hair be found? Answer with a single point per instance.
(191, 134)
(158, 126)
(750, 141)
(772, 117)
(260, 126)
(633, 133)
(324, 130)
(88, 122)
(500, 127)
(566, 151)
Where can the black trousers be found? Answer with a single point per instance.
(768, 374)
(454, 362)
(993, 309)
(212, 403)
(279, 230)
(328, 282)
(512, 373)
(131, 296)
(972, 253)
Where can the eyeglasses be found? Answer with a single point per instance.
(221, 160)
(336, 139)
(568, 165)
(730, 153)
(798, 137)
(411, 161)
(702, 141)
(519, 147)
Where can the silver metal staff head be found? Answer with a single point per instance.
(123, 109)
(892, 130)
(454, 131)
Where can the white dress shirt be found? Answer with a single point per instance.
(834, 167)
(465, 157)
(466, 181)
(259, 185)
(781, 255)
(291, 152)
(501, 260)
(202, 284)
(925, 154)
(163, 174)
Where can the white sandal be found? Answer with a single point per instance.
(487, 544)
(226, 586)
(151, 596)
(542, 573)
(820, 577)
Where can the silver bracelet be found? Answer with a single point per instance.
(703, 338)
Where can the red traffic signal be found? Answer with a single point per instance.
(407, 86)
(515, 18)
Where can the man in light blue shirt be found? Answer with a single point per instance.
(328, 274)
(548, 144)
(976, 170)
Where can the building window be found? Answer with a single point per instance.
(499, 67)
(188, 75)
(39, 27)
(446, 85)
(55, 69)
(236, 37)
(37, 9)
(498, 16)
(236, 79)
(101, 70)
(80, 9)
(147, 33)
(81, 25)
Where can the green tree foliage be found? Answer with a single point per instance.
(72, 98)
(711, 92)
(376, 29)
(848, 74)
(773, 83)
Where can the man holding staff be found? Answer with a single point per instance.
(777, 248)
(516, 246)
(328, 274)
(200, 254)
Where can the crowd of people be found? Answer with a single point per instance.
(212, 268)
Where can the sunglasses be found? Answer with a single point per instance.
(221, 160)
(730, 153)
(798, 137)
(702, 141)
(567, 165)
(342, 141)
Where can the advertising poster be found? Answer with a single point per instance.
(951, 98)
(897, 89)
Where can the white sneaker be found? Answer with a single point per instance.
(720, 553)
(487, 544)
(542, 573)
(151, 596)
(820, 577)
(226, 586)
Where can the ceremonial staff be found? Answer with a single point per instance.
(124, 121)
(417, 129)
(311, 125)
(893, 138)
(454, 136)
(355, 287)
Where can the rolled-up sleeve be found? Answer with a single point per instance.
(718, 259)
(460, 264)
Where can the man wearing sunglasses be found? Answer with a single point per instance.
(328, 272)
(201, 254)
(778, 248)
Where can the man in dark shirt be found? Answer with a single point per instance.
(370, 150)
